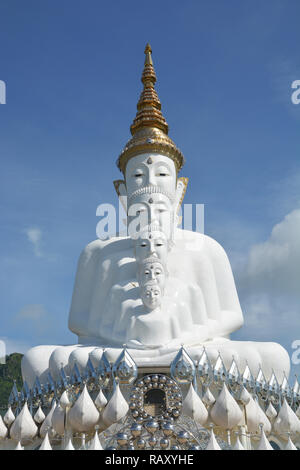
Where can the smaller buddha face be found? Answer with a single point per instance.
(150, 169)
(148, 210)
(152, 270)
(151, 295)
(151, 244)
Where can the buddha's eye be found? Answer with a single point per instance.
(162, 171)
(147, 272)
(138, 174)
(139, 211)
(143, 245)
(158, 272)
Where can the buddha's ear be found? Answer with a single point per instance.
(120, 188)
(180, 192)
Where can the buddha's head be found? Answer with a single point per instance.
(151, 295)
(152, 269)
(151, 170)
(150, 173)
(149, 208)
(151, 244)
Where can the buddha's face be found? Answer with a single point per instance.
(151, 244)
(151, 295)
(148, 211)
(151, 169)
(151, 270)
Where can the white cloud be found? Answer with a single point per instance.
(34, 236)
(268, 282)
(274, 266)
(33, 318)
(35, 312)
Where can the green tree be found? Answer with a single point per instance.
(10, 372)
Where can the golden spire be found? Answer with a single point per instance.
(149, 128)
(149, 107)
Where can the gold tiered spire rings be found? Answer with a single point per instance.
(149, 129)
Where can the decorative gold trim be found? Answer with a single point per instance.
(122, 197)
(117, 184)
(149, 129)
(185, 182)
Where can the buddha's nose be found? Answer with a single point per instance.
(153, 216)
(152, 246)
(151, 178)
(152, 276)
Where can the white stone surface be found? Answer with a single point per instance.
(19, 446)
(116, 408)
(46, 444)
(69, 445)
(271, 413)
(264, 443)
(254, 417)
(9, 417)
(39, 416)
(80, 357)
(287, 421)
(3, 429)
(23, 428)
(192, 287)
(95, 444)
(35, 363)
(238, 445)
(100, 400)
(208, 398)
(290, 445)
(193, 407)
(58, 420)
(83, 416)
(64, 400)
(47, 424)
(212, 443)
(226, 412)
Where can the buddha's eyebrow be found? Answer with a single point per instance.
(141, 167)
(162, 164)
(161, 203)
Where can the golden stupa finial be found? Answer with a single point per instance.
(149, 128)
(148, 52)
(149, 107)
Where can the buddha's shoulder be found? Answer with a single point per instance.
(199, 241)
(102, 248)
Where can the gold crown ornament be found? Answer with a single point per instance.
(149, 129)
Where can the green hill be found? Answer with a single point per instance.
(8, 373)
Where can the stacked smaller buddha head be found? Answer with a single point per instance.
(152, 278)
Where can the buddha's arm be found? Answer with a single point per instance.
(84, 285)
(231, 316)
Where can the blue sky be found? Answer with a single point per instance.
(72, 70)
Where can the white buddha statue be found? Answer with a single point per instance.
(192, 301)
